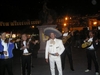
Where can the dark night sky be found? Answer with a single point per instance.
(23, 10)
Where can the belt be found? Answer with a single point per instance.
(26, 54)
(6, 57)
(53, 54)
(90, 49)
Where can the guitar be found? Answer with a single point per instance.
(86, 44)
(65, 38)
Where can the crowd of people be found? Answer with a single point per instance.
(56, 50)
(27, 47)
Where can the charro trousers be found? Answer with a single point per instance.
(55, 60)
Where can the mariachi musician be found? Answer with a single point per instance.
(91, 52)
(6, 54)
(26, 54)
(54, 49)
(67, 40)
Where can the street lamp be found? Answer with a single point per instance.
(65, 24)
(95, 23)
(32, 26)
(66, 18)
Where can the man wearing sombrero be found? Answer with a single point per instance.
(54, 48)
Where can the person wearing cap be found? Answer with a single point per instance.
(54, 49)
(6, 55)
(67, 45)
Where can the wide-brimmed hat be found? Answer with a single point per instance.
(49, 30)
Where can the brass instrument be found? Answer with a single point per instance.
(86, 44)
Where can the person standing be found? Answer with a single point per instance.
(33, 46)
(6, 54)
(54, 49)
(26, 54)
(68, 50)
(91, 52)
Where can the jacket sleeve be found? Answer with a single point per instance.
(62, 48)
(1, 52)
(31, 47)
(46, 50)
(12, 46)
(96, 45)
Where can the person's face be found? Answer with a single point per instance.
(3, 35)
(52, 35)
(24, 37)
(65, 29)
(90, 34)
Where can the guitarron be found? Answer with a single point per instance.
(86, 44)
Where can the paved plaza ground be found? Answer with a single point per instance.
(42, 68)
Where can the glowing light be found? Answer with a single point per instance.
(95, 23)
(7, 35)
(62, 31)
(32, 26)
(14, 36)
(66, 18)
(64, 24)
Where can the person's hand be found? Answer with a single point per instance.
(96, 41)
(5, 52)
(27, 46)
(72, 33)
(10, 34)
(36, 41)
(86, 39)
(23, 47)
(57, 54)
(47, 60)
(17, 40)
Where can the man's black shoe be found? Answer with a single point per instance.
(72, 69)
(32, 66)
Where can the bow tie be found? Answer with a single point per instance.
(52, 42)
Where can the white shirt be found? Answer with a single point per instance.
(5, 47)
(57, 47)
(25, 50)
(91, 40)
(16, 46)
(65, 34)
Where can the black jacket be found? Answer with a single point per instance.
(95, 45)
(69, 41)
(20, 45)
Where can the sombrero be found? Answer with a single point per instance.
(49, 30)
